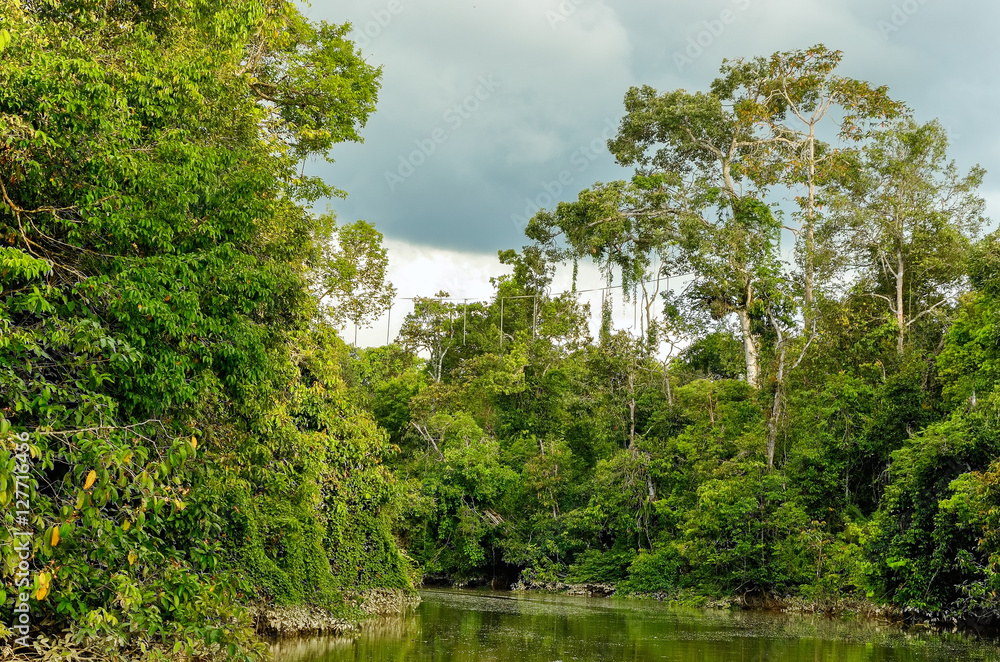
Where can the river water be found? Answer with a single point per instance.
(456, 626)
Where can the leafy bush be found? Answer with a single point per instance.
(653, 571)
(597, 566)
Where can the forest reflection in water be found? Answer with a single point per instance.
(472, 625)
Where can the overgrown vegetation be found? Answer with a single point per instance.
(193, 447)
(829, 427)
(201, 441)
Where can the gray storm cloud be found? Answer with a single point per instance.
(491, 108)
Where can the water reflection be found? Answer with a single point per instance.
(464, 625)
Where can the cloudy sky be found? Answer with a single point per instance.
(490, 109)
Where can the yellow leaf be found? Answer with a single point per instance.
(91, 477)
(55, 536)
(194, 442)
(132, 558)
(127, 458)
(126, 525)
(44, 579)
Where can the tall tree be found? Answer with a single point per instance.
(688, 206)
(352, 272)
(788, 98)
(910, 217)
(431, 328)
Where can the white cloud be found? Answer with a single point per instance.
(424, 271)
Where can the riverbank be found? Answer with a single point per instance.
(270, 624)
(286, 622)
(830, 606)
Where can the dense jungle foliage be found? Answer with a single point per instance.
(192, 449)
(189, 438)
(825, 426)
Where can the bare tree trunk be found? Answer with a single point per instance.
(666, 381)
(440, 365)
(552, 495)
(900, 317)
(776, 405)
(648, 301)
(631, 410)
(749, 348)
(809, 266)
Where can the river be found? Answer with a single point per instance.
(463, 626)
